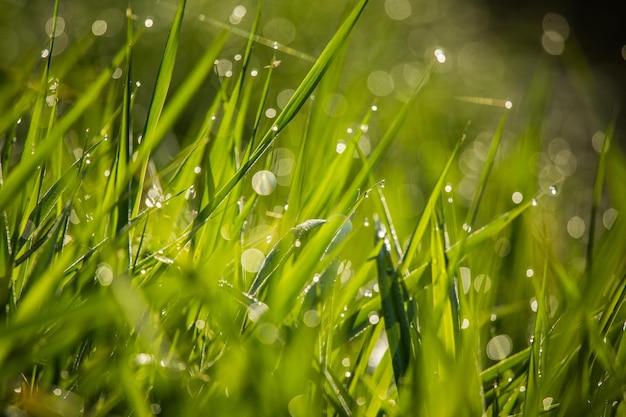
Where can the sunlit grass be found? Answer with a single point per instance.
(232, 256)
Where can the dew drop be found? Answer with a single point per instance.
(148, 23)
(270, 113)
(533, 202)
(373, 317)
(190, 194)
(465, 324)
(297, 243)
(264, 182)
(609, 217)
(256, 311)
(517, 197)
(104, 274)
(576, 227)
(553, 190)
(547, 403)
(499, 347)
(252, 259)
(311, 318)
(441, 57)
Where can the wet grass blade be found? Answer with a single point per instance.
(393, 309)
(159, 94)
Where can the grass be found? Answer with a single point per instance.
(385, 257)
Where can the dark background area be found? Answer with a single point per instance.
(598, 27)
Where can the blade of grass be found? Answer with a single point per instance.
(159, 94)
(422, 224)
(597, 188)
(392, 301)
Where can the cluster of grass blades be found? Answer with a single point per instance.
(265, 271)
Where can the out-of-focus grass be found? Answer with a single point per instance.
(224, 245)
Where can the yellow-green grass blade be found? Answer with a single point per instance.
(420, 228)
(159, 94)
(445, 313)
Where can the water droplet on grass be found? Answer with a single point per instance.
(553, 190)
(148, 23)
(99, 27)
(256, 311)
(270, 113)
(482, 283)
(576, 227)
(252, 259)
(609, 217)
(499, 347)
(465, 324)
(104, 274)
(311, 318)
(373, 317)
(264, 182)
(440, 56)
(533, 202)
(398, 9)
(547, 403)
(517, 197)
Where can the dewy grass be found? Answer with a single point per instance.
(223, 257)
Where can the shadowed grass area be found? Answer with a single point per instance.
(258, 231)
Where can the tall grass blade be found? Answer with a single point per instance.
(392, 301)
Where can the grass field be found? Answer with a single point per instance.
(206, 214)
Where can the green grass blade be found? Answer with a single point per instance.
(422, 224)
(159, 94)
(598, 187)
(393, 309)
